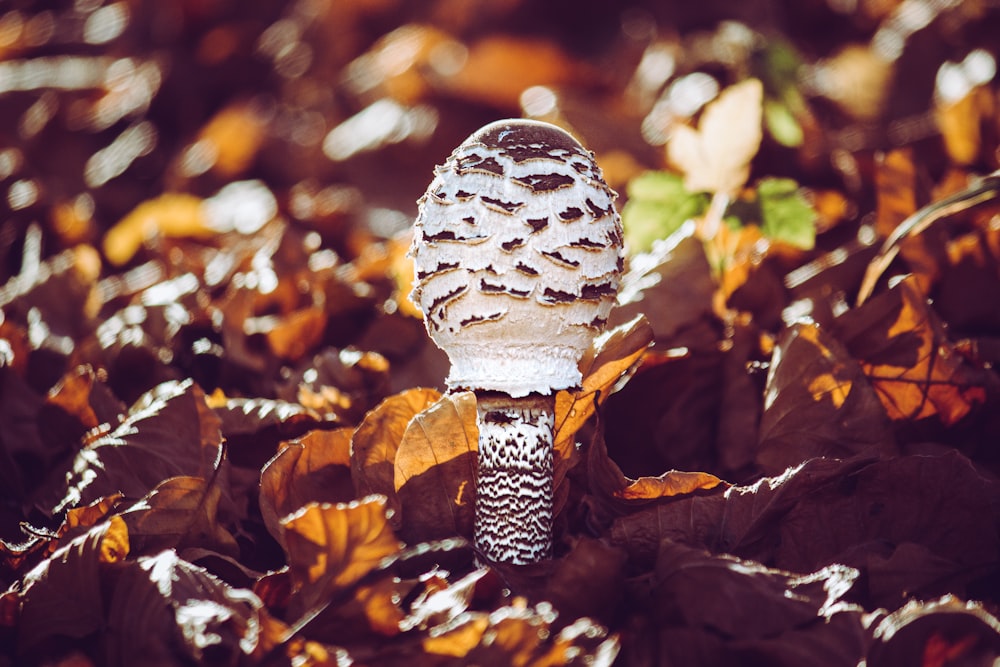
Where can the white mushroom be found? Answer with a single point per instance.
(517, 251)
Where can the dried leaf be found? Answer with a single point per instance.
(169, 432)
(607, 479)
(296, 334)
(164, 610)
(180, 512)
(229, 141)
(376, 441)
(818, 402)
(330, 547)
(612, 359)
(435, 470)
(716, 157)
(907, 358)
(499, 68)
(314, 468)
(171, 214)
(941, 632)
(720, 610)
(62, 595)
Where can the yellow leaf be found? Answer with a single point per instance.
(171, 214)
(330, 547)
(716, 157)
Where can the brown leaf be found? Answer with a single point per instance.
(676, 273)
(314, 468)
(898, 196)
(938, 633)
(166, 611)
(607, 479)
(609, 362)
(170, 214)
(170, 431)
(254, 427)
(518, 635)
(294, 335)
(376, 440)
(435, 470)
(499, 68)
(907, 358)
(178, 513)
(330, 547)
(721, 610)
(818, 402)
(62, 595)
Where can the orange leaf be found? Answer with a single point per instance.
(612, 358)
(435, 469)
(906, 356)
(330, 547)
(374, 443)
(314, 468)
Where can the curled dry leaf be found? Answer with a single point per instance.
(314, 468)
(170, 431)
(172, 214)
(435, 470)
(721, 610)
(818, 402)
(608, 481)
(164, 610)
(376, 440)
(179, 512)
(945, 631)
(716, 157)
(62, 594)
(611, 359)
(330, 547)
(906, 356)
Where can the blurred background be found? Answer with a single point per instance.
(332, 113)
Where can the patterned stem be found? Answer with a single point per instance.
(514, 484)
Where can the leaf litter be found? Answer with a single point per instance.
(222, 433)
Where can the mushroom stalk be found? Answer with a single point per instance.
(517, 253)
(514, 484)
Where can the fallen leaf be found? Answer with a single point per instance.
(62, 594)
(716, 157)
(907, 358)
(313, 468)
(721, 610)
(330, 547)
(818, 402)
(163, 610)
(609, 362)
(435, 470)
(376, 441)
(168, 432)
(941, 632)
(178, 513)
(171, 214)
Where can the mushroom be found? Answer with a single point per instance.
(517, 251)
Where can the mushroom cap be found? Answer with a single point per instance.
(517, 251)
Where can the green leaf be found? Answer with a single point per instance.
(658, 204)
(785, 213)
(781, 123)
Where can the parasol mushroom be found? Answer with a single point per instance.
(517, 251)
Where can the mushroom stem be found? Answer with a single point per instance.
(514, 484)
